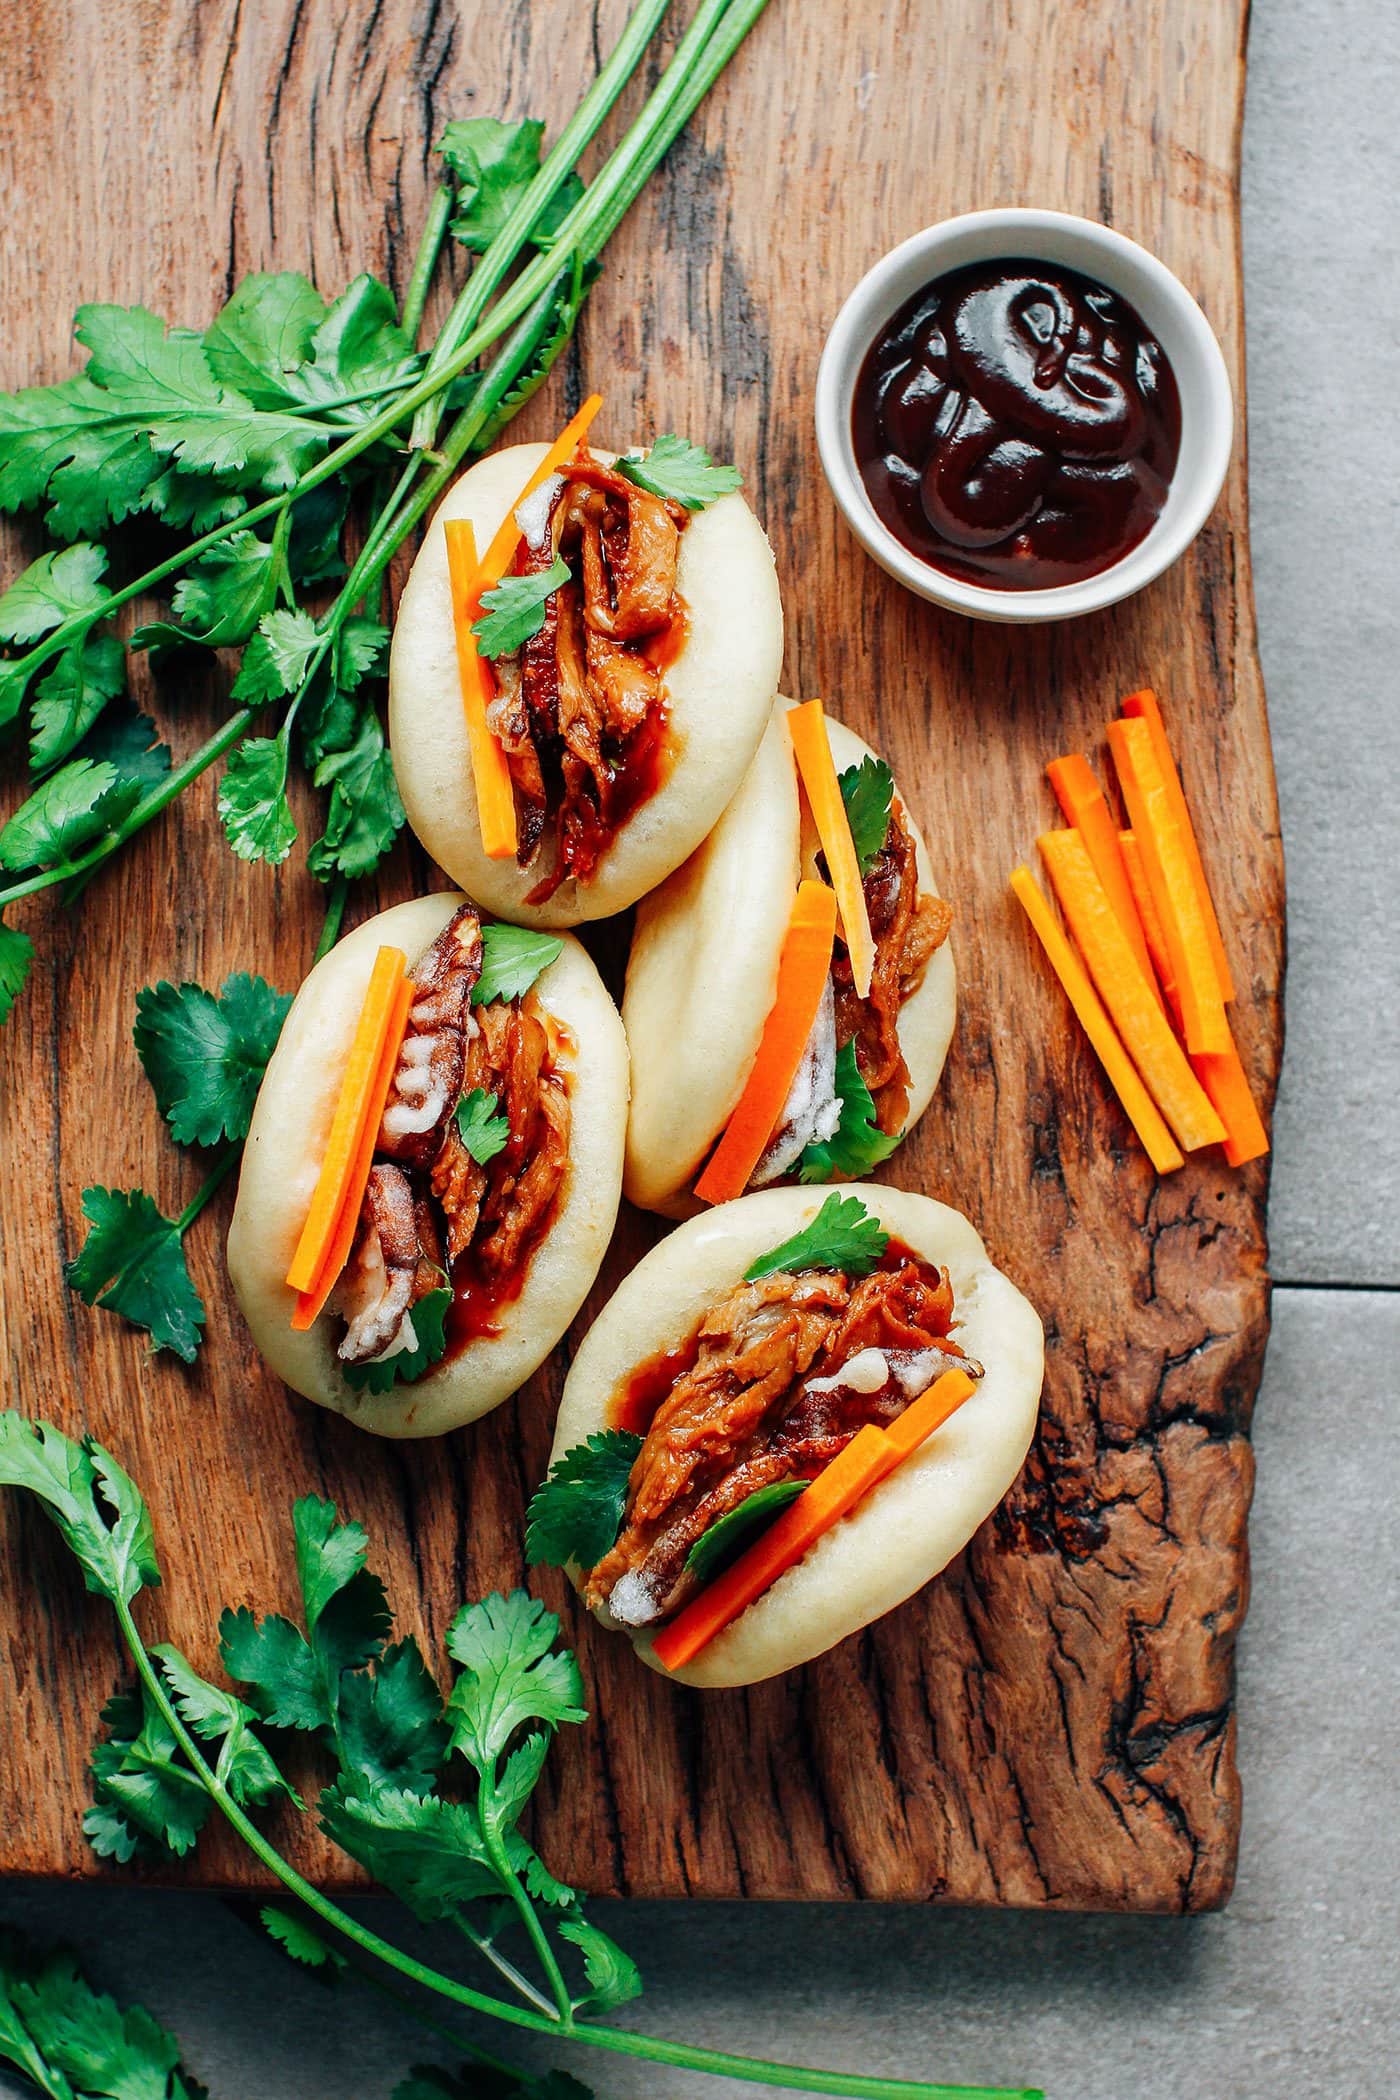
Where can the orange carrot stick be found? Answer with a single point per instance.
(835, 1491)
(1141, 1110)
(1153, 815)
(870, 1457)
(1224, 1080)
(807, 727)
(311, 1303)
(1125, 992)
(1086, 808)
(361, 1067)
(495, 794)
(1145, 707)
(501, 552)
(803, 969)
(1151, 924)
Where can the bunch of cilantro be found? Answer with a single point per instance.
(426, 1789)
(260, 452)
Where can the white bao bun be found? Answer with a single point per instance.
(704, 962)
(288, 1136)
(720, 689)
(905, 1530)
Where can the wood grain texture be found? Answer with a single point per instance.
(1051, 1722)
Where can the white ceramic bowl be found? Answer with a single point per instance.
(1167, 309)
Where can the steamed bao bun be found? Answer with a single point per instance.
(704, 964)
(283, 1155)
(909, 1527)
(719, 692)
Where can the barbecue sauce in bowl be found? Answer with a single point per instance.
(1017, 426)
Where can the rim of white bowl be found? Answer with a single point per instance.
(1166, 308)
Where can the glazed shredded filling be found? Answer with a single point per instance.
(580, 710)
(773, 1384)
(432, 1215)
(908, 928)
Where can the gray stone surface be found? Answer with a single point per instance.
(1322, 281)
(1293, 1991)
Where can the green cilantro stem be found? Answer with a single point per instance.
(335, 913)
(415, 297)
(621, 2041)
(558, 164)
(218, 1175)
(529, 1917)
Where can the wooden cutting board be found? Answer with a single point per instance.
(1051, 1722)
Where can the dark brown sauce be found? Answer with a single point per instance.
(1017, 426)
(630, 780)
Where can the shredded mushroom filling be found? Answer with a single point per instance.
(432, 1215)
(580, 710)
(778, 1378)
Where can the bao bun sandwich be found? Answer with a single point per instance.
(433, 1168)
(790, 992)
(584, 659)
(788, 1419)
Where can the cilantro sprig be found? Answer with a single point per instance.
(576, 1512)
(514, 612)
(67, 2038)
(867, 791)
(288, 450)
(512, 957)
(426, 1789)
(842, 1235)
(680, 472)
(205, 1055)
(483, 1129)
(858, 1143)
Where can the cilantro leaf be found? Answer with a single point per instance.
(67, 2038)
(680, 472)
(133, 1263)
(129, 741)
(391, 1727)
(361, 651)
(160, 380)
(494, 164)
(429, 1852)
(221, 597)
(264, 334)
(98, 1509)
(146, 1798)
(205, 1056)
(299, 1939)
(14, 684)
(272, 1659)
(276, 658)
(382, 1374)
(867, 791)
(842, 1235)
(727, 1537)
(16, 961)
(330, 1558)
(64, 446)
(253, 806)
(514, 611)
(356, 348)
(859, 1143)
(576, 1513)
(512, 957)
(72, 808)
(53, 589)
(613, 1976)
(511, 1674)
(69, 699)
(365, 814)
(244, 1765)
(482, 1130)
